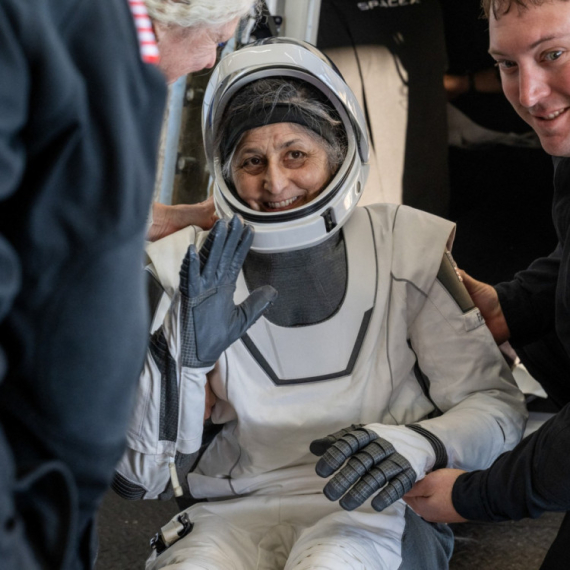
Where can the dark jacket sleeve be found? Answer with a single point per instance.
(528, 301)
(532, 478)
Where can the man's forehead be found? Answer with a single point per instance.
(529, 28)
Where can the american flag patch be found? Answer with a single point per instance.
(145, 33)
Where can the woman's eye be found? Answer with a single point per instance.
(252, 164)
(553, 55)
(296, 154)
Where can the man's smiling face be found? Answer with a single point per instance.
(532, 48)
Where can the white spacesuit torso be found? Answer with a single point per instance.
(398, 350)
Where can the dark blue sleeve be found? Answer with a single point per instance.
(14, 90)
(80, 115)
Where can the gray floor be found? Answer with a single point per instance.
(126, 527)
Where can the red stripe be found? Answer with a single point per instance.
(141, 21)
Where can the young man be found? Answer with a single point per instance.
(530, 40)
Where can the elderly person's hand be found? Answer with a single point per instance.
(431, 497)
(169, 219)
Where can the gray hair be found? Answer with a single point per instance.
(198, 13)
(307, 102)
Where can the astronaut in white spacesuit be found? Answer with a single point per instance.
(371, 329)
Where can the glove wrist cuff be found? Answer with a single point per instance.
(436, 443)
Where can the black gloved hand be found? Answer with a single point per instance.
(211, 321)
(372, 463)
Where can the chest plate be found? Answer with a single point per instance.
(329, 349)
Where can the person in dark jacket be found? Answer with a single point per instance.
(80, 114)
(530, 40)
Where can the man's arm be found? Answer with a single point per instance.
(525, 482)
(169, 219)
(528, 300)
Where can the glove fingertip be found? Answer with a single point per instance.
(349, 503)
(271, 293)
(379, 502)
(323, 469)
(332, 493)
(318, 447)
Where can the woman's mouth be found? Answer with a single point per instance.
(282, 205)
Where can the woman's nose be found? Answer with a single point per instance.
(276, 178)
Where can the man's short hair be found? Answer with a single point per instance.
(500, 7)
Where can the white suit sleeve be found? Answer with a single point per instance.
(467, 379)
(168, 414)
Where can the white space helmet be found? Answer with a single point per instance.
(317, 220)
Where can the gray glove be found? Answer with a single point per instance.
(373, 463)
(211, 322)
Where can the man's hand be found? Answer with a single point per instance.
(486, 299)
(169, 219)
(211, 321)
(373, 463)
(431, 497)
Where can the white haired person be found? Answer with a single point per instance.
(372, 338)
(188, 33)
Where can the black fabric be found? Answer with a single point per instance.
(154, 292)
(169, 398)
(548, 363)
(441, 459)
(79, 122)
(535, 476)
(405, 28)
(244, 121)
(127, 489)
(535, 302)
(311, 282)
(425, 383)
(525, 482)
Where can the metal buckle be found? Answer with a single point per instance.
(171, 532)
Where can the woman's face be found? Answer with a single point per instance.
(279, 167)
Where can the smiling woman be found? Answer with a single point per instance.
(281, 144)
(369, 307)
(279, 167)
